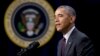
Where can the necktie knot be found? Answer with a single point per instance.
(64, 41)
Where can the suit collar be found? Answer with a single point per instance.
(67, 35)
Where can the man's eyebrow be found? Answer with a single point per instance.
(58, 14)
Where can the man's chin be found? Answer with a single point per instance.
(59, 30)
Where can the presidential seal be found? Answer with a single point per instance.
(27, 21)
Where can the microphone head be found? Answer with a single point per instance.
(33, 45)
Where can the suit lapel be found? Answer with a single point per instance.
(70, 41)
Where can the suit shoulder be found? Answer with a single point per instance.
(80, 37)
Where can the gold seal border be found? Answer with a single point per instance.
(10, 32)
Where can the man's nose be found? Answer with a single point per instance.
(56, 19)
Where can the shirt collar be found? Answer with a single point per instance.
(66, 36)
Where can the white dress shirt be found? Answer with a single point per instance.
(66, 36)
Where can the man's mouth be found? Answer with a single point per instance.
(57, 25)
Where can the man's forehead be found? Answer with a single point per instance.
(60, 11)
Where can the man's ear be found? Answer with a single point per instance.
(73, 19)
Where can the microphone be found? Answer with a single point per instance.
(32, 46)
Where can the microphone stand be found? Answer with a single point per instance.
(32, 46)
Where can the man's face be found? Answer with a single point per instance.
(62, 19)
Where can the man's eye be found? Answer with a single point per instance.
(60, 15)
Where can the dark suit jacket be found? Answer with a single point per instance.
(78, 45)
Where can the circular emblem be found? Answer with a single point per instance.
(27, 21)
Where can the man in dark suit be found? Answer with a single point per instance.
(76, 43)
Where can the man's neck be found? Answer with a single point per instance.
(68, 29)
